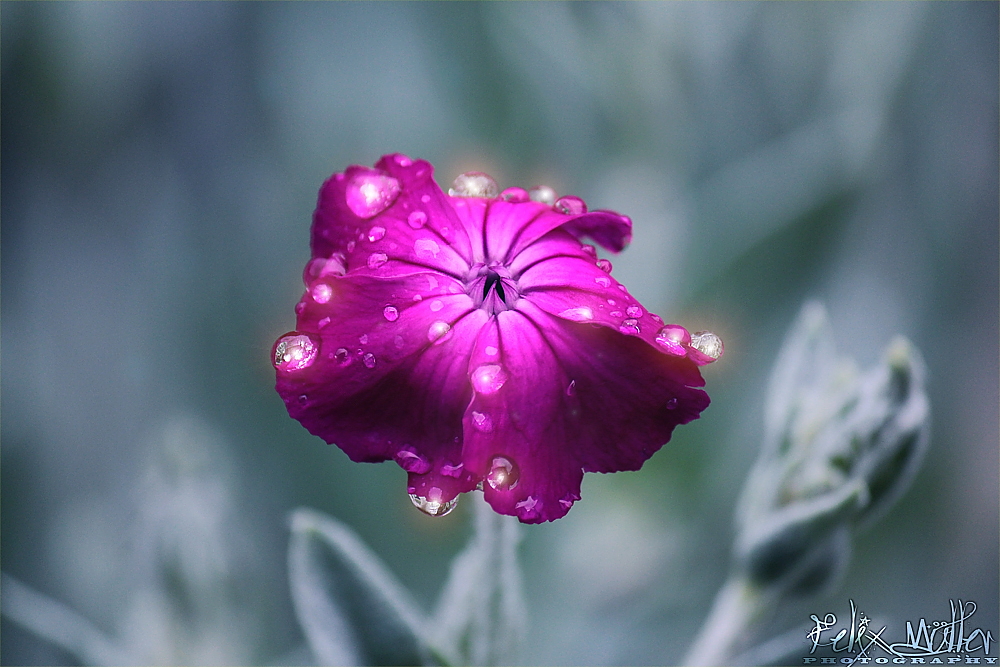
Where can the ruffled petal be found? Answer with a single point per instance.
(512, 227)
(389, 377)
(555, 399)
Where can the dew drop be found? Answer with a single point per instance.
(612, 302)
(300, 307)
(342, 357)
(439, 332)
(615, 313)
(581, 314)
(399, 342)
(436, 305)
(529, 507)
(568, 500)
(377, 259)
(363, 339)
(452, 471)
(589, 249)
(482, 422)
(571, 388)
(672, 403)
(303, 399)
(491, 351)
(370, 193)
(474, 184)
(515, 195)
(424, 198)
(708, 345)
(323, 322)
(390, 313)
(410, 461)
(351, 245)
(320, 267)
(488, 379)
(603, 281)
(426, 248)
(376, 234)
(503, 474)
(293, 352)
(369, 360)
(571, 205)
(321, 292)
(433, 507)
(629, 326)
(417, 219)
(543, 194)
(672, 338)
(402, 160)
(604, 265)
(634, 311)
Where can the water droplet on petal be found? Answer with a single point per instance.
(568, 500)
(672, 338)
(390, 313)
(543, 194)
(452, 471)
(615, 313)
(629, 326)
(433, 507)
(377, 259)
(319, 267)
(439, 332)
(529, 507)
(611, 302)
(300, 307)
(482, 422)
(633, 311)
(707, 345)
(363, 339)
(603, 281)
(303, 399)
(342, 357)
(491, 351)
(351, 245)
(515, 195)
(417, 219)
(436, 305)
(370, 193)
(376, 234)
(293, 352)
(369, 360)
(402, 160)
(604, 265)
(571, 205)
(410, 461)
(589, 249)
(672, 403)
(399, 342)
(474, 184)
(581, 314)
(571, 388)
(321, 292)
(503, 474)
(488, 379)
(426, 248)
(424, 198)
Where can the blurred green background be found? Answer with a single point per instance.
(160, 164)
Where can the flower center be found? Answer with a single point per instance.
(491, 287)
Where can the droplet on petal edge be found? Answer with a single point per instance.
(376, 234)
(293, 352)
(673, 339)
(474, 184)
(570, 205)
(390, 313)
(633, 311)
(321, 292)
(503, 474)
(543, 194)
(370, 193)
(410, 461)
(377, 259)
(515, 195)
(488, 379)
(433, 507)
(528, 508)
(629, 326)
(604, 265)
(705, 347)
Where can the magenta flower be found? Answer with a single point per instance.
(472, 338)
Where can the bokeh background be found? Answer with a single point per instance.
(160, 163)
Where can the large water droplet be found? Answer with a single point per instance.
(589, 249)
(426, 248)
(321, 292)
(604, 265)
(672, 338)
(707, 345)
(482, 422)
(474, 184)
(503, 474)
(570, 205)
(515, 195)
(377, 259)
(335, 265)
(543, 194)
(410, 461)
(370, 193)
(629, 326)
(376, 233)
(488, 379)
(369, 360)
(433, 507)
(438, 332)
(293, 352)
(390, 313)
(417, 219)
(581, 314)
